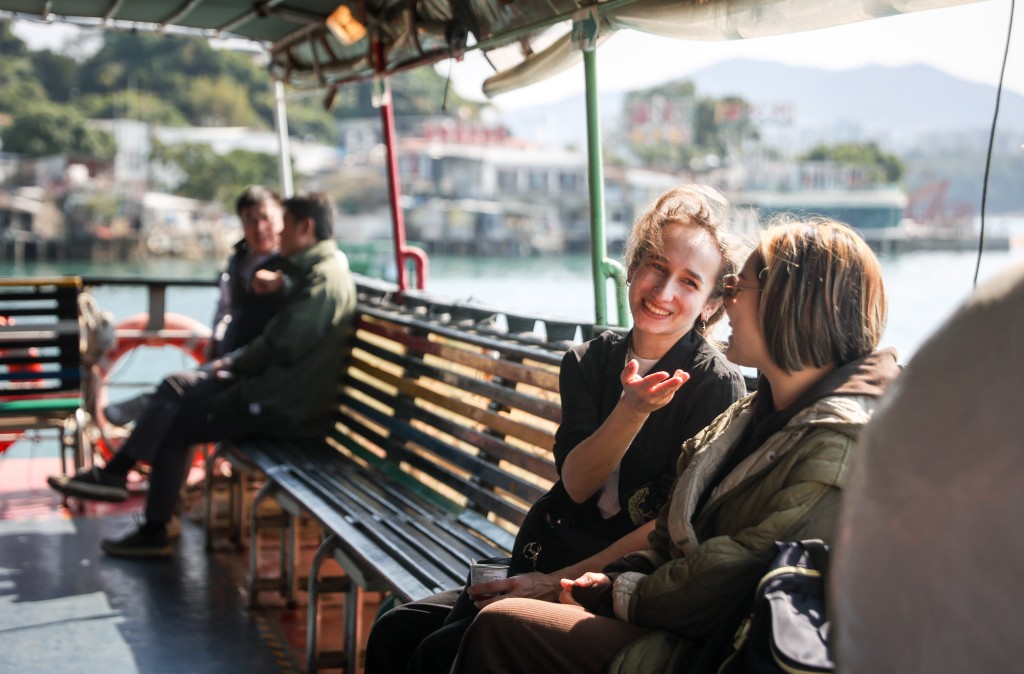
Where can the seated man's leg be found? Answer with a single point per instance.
(185, 402)
(176, 392)
(181, 402)
(523, 636)
(398, 632)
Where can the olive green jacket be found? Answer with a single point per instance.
(787, 489)
(287, 377)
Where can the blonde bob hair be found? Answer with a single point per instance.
(824, 301)
(698, 205)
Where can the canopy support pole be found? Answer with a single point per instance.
(284, 152)
(387, 118)
(603, 267)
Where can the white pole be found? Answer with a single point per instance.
(284, 154)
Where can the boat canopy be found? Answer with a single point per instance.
(321, 44)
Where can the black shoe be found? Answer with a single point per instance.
(91, 483)
(146, 542)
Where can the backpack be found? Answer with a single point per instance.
(788, 628)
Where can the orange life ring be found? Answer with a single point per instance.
(182, 332)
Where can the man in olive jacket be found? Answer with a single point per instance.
(282, 383)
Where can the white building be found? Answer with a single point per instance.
(503, 195)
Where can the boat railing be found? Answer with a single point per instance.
(553, 333)
(156, 289)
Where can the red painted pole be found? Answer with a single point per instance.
(387, 119)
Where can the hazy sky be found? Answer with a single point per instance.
(965, 41)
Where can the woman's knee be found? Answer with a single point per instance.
(503, 616)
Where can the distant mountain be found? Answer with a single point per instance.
(898, 107)
(564, 122)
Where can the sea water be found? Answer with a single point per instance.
(924, 289)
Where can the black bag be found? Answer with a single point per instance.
(549, 537)
(788, 629)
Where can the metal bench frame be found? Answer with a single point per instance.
(446, 420)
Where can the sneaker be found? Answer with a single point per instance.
(146, 542)
(91, 483)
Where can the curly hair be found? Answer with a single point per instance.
(698, 205)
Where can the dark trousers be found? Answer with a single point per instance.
(176, 417)
(525, 636)
(420, 637)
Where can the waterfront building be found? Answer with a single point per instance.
(476, 189)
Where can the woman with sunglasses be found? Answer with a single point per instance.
(807, 310)
(628, 402)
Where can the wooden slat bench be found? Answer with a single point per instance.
(40, 360)
(446, 422)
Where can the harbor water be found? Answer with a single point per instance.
(924, 288)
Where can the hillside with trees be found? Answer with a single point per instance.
(176, 81)
(47, 99)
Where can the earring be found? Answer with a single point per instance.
(703, 325)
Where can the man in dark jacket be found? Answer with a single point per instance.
(281, 383)
(242, 310)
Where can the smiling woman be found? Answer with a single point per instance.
(769, 468)
(676, 262)
(628, 402)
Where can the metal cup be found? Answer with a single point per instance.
(482, 573)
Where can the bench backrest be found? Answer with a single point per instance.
(39, 337)
(456, 407)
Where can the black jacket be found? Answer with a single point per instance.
(591, 387)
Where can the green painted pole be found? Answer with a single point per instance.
(602, 266)
(595, 174)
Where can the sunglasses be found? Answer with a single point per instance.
(731, 287)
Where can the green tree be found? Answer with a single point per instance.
(885, 166)
(212, 177)
(56, 73)
(143, 106)
(205, 85)
(170, 80)
(19, 86)
(308, 118)
(219, 101)
(11, 46)
(56, 129)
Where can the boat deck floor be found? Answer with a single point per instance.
(67, 607)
